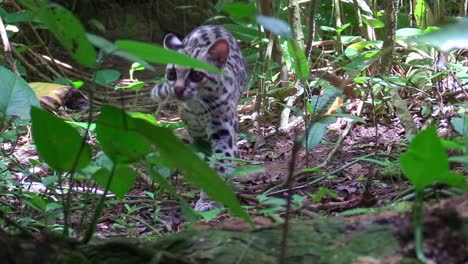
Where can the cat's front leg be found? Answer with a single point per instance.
(223, 144)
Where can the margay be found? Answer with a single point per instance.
(207, 102)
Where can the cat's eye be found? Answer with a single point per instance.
(171, 74)
(196, 76)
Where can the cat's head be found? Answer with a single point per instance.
(188, 83)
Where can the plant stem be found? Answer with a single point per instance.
(100, 205)
(418, 225)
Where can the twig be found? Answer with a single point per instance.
(7, 48)
(337, 145)
(289, 185)
(32, 68)
(38, 37)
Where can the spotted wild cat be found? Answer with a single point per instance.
(207, 101)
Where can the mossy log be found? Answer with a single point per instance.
(383, 238)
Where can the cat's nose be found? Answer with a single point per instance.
(179, 91)
(179, 88)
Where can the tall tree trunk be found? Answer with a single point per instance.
(294, 20)
(386, 64)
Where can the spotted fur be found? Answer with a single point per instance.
(207, 101)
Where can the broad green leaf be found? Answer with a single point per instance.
(421, 10)
(292, 108)
(58, 143)
(321, 104)
(425, 161)
(240, 11)
(408, 32)
(137, 66)
(274, 25)
(364, 6)
(67, 29)
(299, 61)
(187, 210)
(197, 172)
(358, 65)
(157, 54)
(84, 125)
(106, 76)
(342, 28)
(316, 132)
(460, 124)
(246, 170)
(16, 97)
(75, 84)
(20, 16)
(147, 117)
(456, 179)
(372, 22)
(355, 49)
(136, 86)
(447, 144)
(327, 28)
(459, 159)
(109, 48)
(352, 117)
(243, 33)
(118, 140)
(122, 180)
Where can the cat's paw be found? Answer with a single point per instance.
(204, 205)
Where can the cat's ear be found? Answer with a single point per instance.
(171, 41)
(219, 52)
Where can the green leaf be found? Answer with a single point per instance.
(136, 86)
(299, 61)
(460, 124)
(240, 11)
(21, 16)
(316, 132)
(321, 104)
(148, 117)
(425, 161)
(178, 155)
(118, 140)
(355, 49)
(188, 212)
(157, 54)
(109, 48)
(106, 76)
(58, 143)
(243, 33)
(459, 159)
(352, 117)
(408, 32)
(137, 66)
(364, 6)
(420, 13)
(372, 22)
(455, 179)
(122, 180)
(16, 97)
(67, 29)
(246, 170)
(327, 28)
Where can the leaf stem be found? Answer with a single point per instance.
(418, 225)
(97, 212)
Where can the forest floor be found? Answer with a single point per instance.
(359, 179)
